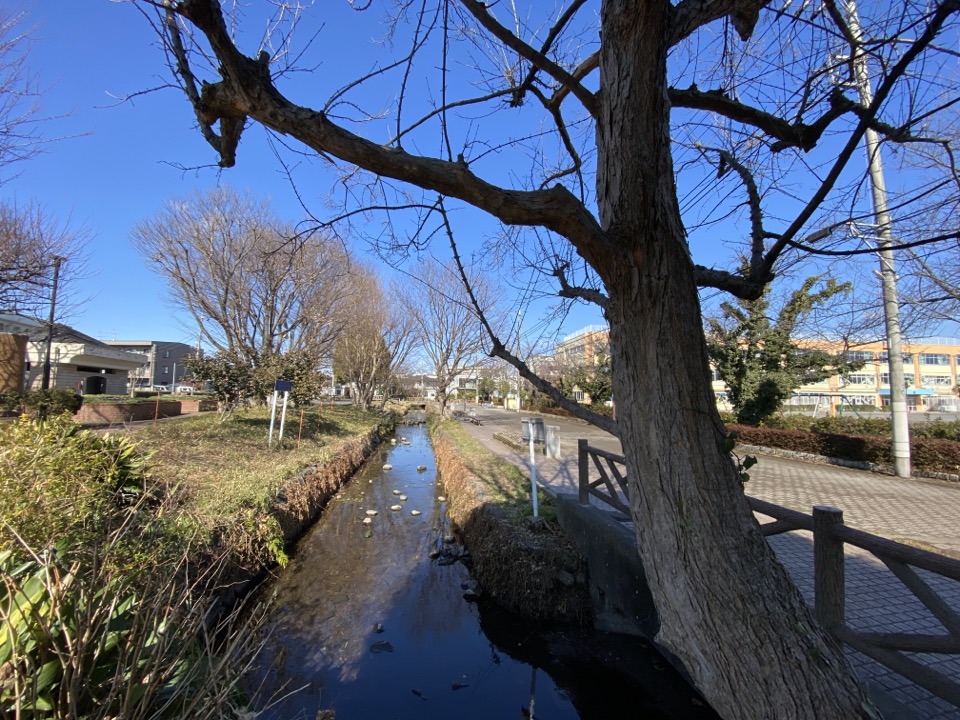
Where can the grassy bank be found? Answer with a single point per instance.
(529, 568)
(109, 547)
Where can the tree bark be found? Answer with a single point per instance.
(728, 610)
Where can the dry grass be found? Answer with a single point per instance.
(225, 467)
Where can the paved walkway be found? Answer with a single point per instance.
(925, 513)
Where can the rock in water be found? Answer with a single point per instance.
(378, 627)
(381, 646)
(395, 507)
(371, 513)
(441, 498)
(403, 497)
(396, 492)
(367, 521)
(388, 466)
(414, 512)
(421, 468)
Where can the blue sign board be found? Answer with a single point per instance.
(283, 385)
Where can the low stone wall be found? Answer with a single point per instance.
(195, 405)
(538, 575)
(92, 413)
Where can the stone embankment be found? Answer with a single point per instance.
(531, 570)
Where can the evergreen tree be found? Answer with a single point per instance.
(757, 357)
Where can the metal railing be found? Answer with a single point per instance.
(830, 534)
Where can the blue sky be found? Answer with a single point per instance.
(114, 163)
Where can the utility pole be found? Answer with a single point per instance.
(888, 274)
(519, 320)
(45, 382)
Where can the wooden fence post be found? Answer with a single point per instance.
(584, 468)
(829, 579)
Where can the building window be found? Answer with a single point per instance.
(166, 370)
(884, 378)
(860, 379)
(907, 359)
(934, 359)
(166, 353)
(715, 375)
(936, 380)
(859, 356)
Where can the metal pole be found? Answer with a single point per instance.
(888, 274)
(45, 381)
(533, 470)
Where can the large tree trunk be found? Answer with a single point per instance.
(728, 610)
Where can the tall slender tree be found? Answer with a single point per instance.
(655, 129)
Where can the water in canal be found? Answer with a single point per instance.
(367, 623)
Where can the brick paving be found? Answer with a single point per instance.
(925, 513)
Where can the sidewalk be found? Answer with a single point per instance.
(919, 512)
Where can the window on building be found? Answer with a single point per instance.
(860, 379)
(166, 353)
(166, 370)
(859, 356)
(907, 359)
(934, 359)
(715, 375)
(936, 380)
(885, 378)
(882, 356)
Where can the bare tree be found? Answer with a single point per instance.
(30, 243)
(656, 129)
(448, 325)
(20, 137)
(374, 344)
(252, 283)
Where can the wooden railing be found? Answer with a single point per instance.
(608, 464)
(829, 570)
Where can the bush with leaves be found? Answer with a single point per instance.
(62, 484)
(100, 614)
(42, 403)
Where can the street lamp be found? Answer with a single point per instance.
(45, 382)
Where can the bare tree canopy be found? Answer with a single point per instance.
(448, 327)
(30, 241)
(20, 137)
(656, 130)
(252, 283)
(375, 343)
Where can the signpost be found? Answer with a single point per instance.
(284, 386)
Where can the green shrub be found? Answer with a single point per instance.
(937, 429)
(43, 403)
(62, 484)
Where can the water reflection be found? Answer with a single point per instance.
(367, 624)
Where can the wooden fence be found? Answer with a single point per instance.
(830, 534)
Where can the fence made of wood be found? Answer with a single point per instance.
(830, 535)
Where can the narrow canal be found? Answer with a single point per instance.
(370, 620)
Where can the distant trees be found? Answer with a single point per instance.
(30, 240)
(450, 333)
(254, 285)
(376, 342)
(757, 356)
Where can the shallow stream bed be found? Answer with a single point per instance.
(368, 620)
